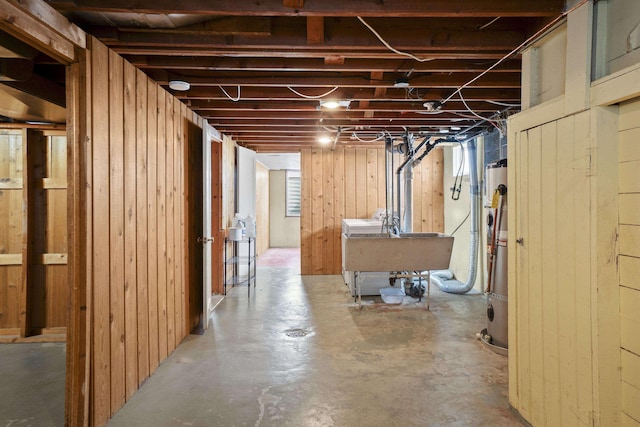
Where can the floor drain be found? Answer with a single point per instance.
(297, 333)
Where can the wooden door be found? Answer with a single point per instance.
(195, 231)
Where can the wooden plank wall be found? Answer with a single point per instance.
(629, 258)
(551, 348)
(350, 183)
(137, 268)
(33, 295)
(11, 229)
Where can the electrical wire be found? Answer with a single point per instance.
(502, 104)
(391, 48)
(482, 27)
(520, 46)
(312, 96)
(366, 141)
(229, 96)
(457, 183)
(460, 225)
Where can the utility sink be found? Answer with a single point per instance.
(407, 252)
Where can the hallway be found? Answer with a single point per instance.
(298, 352)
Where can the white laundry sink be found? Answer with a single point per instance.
(408, 252)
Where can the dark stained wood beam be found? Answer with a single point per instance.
(310, 105)
(249, 93)
(319, 64)
(315, 30)
(442, 80)
(398, 8)
(248, 26)
(416, 36)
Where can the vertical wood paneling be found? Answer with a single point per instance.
(170, 213)
(317, 209)
(306, 210)
(349, 183)
(138, 275)
(629, 257)
(116, 235)
(11, 228)
(161, 193)
(554, 352)
(339, 208)
(101, 366)
(130, 222)
(371, 181)
(361, 191)
(328, 219)
(550, 304)
(180, 276)
(142, 237)
(152, 215)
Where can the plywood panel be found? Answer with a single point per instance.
(630, 319)
(152, 221)
(629, 145)
(534, 247)
(362, 178)
(339, 202)
(317, 208)
(11, 227)
(629, 272)
(630, 363)
(130, 223)
(550, 304)
(142, 237)
(628, 173)
(101, 357)
(629, 207)
(161, 192)
(328, 217)
(170, 212)
(306, 211)
(630, 399)
(116, 234)
(630, 240)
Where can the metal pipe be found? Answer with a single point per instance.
(410, 156)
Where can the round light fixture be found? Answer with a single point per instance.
(401, 83)
(324, 139)
(180, 85)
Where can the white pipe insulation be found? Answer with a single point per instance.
(440, 278)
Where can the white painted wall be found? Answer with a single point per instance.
(246, 182)
(284, 231)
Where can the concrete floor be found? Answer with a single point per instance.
(298, 352)
(32, 385)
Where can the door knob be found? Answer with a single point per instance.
(204, 239)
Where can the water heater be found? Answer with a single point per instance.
(496, 211)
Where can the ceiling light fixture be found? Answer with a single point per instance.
(401, 83)
(180, 85)
(432, 105)
(324, 139)
(332, 104)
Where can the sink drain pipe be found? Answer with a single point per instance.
(443, 278)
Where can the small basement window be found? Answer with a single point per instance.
(293, 190)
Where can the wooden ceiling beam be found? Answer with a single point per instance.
(318, 64)
(418, 38)
(325, 116)
(365, 8)
(250, 93)
(309, 80)
(310, 105)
